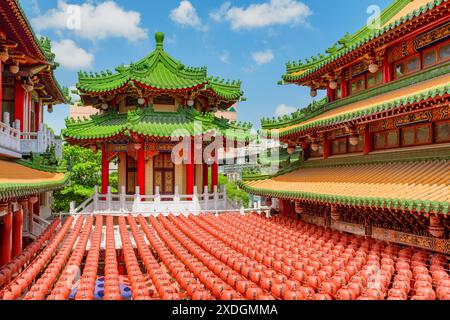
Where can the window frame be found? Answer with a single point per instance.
(354, 80)
(405, 61)
(385, 138)
(415, 126)
(435, 124)
(338, 153)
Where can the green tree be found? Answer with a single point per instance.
(84, 173)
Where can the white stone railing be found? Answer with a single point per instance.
(39, 142)
(38, 225)
(10, 136)
(155, 204)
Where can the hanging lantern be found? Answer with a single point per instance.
(141, 101)
(105, 106)
(291, 149)
(137, 146)
(314, 146)
(50, 109)
(190, 103)
(436, 227)
(333, 85)
(313, 92)
(268, 202)
(14, 68)
(298, 208)
(354, 140)
(373, 67)
(93, 148)
(4, 55)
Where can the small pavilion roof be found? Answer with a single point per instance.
(159, 71)
(18, 179)
(154, 124)
(411, 180)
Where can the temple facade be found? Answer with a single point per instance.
(157, 123)
(375, 159)
(29, 150)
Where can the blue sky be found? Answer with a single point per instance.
(249, 40)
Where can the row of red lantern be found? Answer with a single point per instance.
(19, 285)
(69, 275)
(226, 283)
(139, 288)
(20, 262)
(86, 285)
(386, 266)
(166, 290)
(231, 263)
(45, 283)
(112, 280)
(173, 264)
(196, 286)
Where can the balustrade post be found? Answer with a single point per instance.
(17, 125)
(122, 199)
(206, 197)
(216, 198)
(95, 202)
(158, 198)
(41, 138)
(137, 198)
(72, 207)
(108, 198)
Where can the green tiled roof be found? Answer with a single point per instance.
(160, 71)
(158, 124)
(349, 43)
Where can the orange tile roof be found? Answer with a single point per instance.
(414, 183)
(14, 173)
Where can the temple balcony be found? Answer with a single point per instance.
(10, 138)
(177, 204)
(39, 142)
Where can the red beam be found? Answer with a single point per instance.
(105, 170)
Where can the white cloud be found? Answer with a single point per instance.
(70, 56)
(93, 22)
(275, 12)
(263, 57)
(224, 57)
(284, 109)
(186, 15)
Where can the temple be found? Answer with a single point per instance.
(148, 108)
(29, 150)
(375, 151)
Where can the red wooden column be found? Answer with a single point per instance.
(141, 169)
(17, 227)
(326, 148)
(1, 91)
(387, 71)
(37, 115)
(6, 236)
(368, 141)
(331, 94)
(215, 171)
(190, 169)
(19, 106)
(344, 88)
(105, 169)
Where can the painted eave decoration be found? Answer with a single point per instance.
(296, 71)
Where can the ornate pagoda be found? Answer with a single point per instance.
(29, 171)
(376, 150)
(147, 108)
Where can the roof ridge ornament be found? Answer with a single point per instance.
(159, 38)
